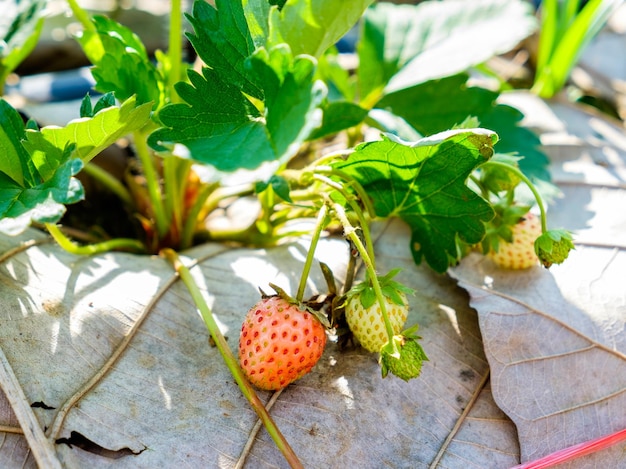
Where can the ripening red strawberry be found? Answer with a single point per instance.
(279, 343)
(520, 253)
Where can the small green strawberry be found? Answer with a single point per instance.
(498, 179)
(363, 314)
(514, 248)
(279, 343)
(553, 247)
(404, 357)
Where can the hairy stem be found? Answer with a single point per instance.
(193, 214)
(351, 182)
(367, 237)
(175, 179)
(350, 232)
(229, 358)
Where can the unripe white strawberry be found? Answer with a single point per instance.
(367, 324)
(364, 316)
(520, 252)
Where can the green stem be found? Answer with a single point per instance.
(117, 244)
(229, 358)
(191, 218)
(152, 182)
(175, 177)
(350, 232)
(530, 185)
(333, 156)
(369, 245)
(319, 227)
(110, 182)
(82, 16)
(175, 48)
(367, 203)
(223, 193)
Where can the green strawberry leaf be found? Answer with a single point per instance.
(36, 175)
(15, 162)
(220, 125)
(41, 203)
(89, 135)
(424, 184)
(19, 36)
(223, 40)
(404, 45)
(121, 63)
(338, 116)
(438, 105)
(312, 26)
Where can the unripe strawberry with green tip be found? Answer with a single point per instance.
(364, 316)
(404, 356)
(553, 247)
(279, 343)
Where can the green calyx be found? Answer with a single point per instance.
(500, 227)
(553, 247)
(389, 287)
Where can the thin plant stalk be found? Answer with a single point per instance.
(175, 48)
(319, 227)
(229, 358)
(110, 182)
(82, 16)
(117, 244)
(193, 213)
(175, 177)
(369, 245)
(152, 182)
(350, 232)
(531, 186)
(350, 181)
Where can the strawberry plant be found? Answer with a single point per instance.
(248, 121)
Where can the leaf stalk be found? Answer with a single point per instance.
(117, 244)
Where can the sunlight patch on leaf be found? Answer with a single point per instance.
(89, 135)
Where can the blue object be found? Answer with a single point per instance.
(55, 86)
